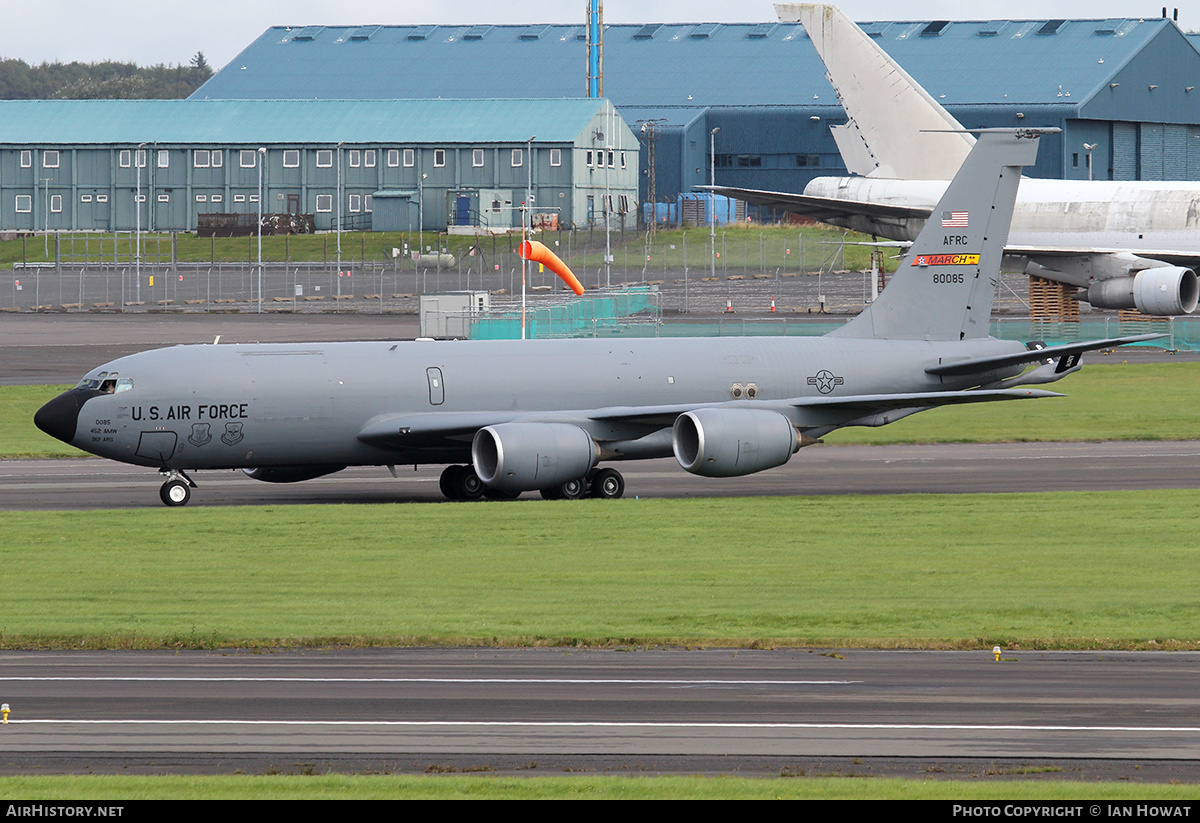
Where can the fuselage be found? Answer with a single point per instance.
(238, 406)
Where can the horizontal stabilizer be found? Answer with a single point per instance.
(978, 365)
(824, 209)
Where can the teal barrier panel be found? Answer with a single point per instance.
(586, 317)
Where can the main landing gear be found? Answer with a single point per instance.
(461, 483)
(177, 490)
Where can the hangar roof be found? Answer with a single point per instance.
(685, 64)
(58, 122)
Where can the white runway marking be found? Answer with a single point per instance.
(546, 724)
(539, 680)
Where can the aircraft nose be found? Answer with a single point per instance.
(60, 417)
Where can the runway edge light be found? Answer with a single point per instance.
(4, 711)
(996, 653)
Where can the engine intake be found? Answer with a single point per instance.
(1164, 291)
(528, 456)
(733, 442)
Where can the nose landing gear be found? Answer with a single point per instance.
(177, 490)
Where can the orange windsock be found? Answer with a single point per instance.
(538, 253)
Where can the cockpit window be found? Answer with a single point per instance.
(108, 385)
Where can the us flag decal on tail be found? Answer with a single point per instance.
(954, 220)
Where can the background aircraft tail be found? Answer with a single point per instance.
(946, 283)
(889, 114)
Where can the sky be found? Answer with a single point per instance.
(172, 31)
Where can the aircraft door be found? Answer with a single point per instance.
(437, 392)
(156, 445)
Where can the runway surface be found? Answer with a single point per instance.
(91, 483)
(541, 710)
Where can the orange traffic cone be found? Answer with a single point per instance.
(772, 304)
(729, 306)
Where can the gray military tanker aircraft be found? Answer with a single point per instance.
(516, 416)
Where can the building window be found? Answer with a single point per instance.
(164, 158)
(622, 159)
(216, 158)
(324, 202)
(27, 158)
(85, 198)
(50, 159)
(201, 158)
(248, 158)
(410, 158)
(24, 203)
(325, 159)
(101, 198)
(612, 159)
(291, 159)
(56, 203)
(164, 198)
(749, 161)
(589, 158)
(393, 158)
(200, 198)
(518, 157)
(369, 158)
(254, 198)
(810, 161)
(216, 198)
(125, 158)
(355, 158)
(477, 158)
(239, 198)
(439, 158)
(140, 158)
(555, 157)
(367, 203)
(355, 202)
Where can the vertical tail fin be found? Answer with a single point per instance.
(946, 283)
(895, 128)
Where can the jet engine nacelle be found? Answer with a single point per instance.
(733, 442)
(528, 456)
(290, 474)
(1163, 291)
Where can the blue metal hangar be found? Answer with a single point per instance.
(84, 164)
(1126, 84)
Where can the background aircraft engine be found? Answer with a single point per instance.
(1162, 291)
(290, 474)
(528, 456)
(733, 442)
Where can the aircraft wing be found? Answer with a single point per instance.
(448, 429)
(1067, 355)
(823, 209)
(1176, 257)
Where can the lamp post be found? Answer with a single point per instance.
(1089, 147)
(262, 159)
(339, 219)
(137, 233)
(526, 222)
(712, 202)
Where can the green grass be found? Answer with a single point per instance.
(480, 787)
(1107, 401)
(743, 248)
(956, 571)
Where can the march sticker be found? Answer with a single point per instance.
(946, 260)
